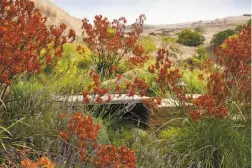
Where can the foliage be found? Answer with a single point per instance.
(168, 40)
(148, 44)
(25, 94)
(147, 147)
(219, 38)
(70, 57)
(113, 42)
(193, 83)
(249, 22)
(201, 53)
(123, 67)
(197, 60)
(153, 88)
(86, 132)
(190, 38)
(23, 36)
(214, 143)
(170, 133)
(236, 57)
(238, 28)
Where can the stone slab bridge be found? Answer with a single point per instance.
(127, 109)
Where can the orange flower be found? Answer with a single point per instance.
(41, 162)
(26, 162)
(63, 115)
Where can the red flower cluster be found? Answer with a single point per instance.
(138, 84)
(96, 89)
(138, 59)
(110, 156)
(86, 132)
(218, 87)
(207, 105)
(23, 35)
(41, 162)
(152, 103)
(167, 77)
(83, 127)
(195, 115)
(109, 41)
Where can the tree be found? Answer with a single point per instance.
(190, 38)
(26, 44)
(219, 38)
(110, 43)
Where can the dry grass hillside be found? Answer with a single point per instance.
(207, 27)
(57, 15)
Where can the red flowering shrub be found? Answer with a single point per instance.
(86, 132)
(23, 36)
(231, 84)
(167, 77)
(235, 56)
(110, 43)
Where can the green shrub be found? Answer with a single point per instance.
(148, 43)
(190, 38)
(249, 22)
(219, 38)
(193, 83)
(192, 63)
(25, 97)
(197, 60)
(238, 28)
(214, 143)
(122, 136)
(147, 147)
(170, 133)
(71, 57)
(122, 67)
(168, 40)
(70, 81)
(201, 53)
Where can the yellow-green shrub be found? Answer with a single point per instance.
(148, 43)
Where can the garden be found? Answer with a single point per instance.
(104, 100)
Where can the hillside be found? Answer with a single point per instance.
(208, 29)
(57, 15)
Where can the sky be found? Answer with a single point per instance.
(156, 11)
